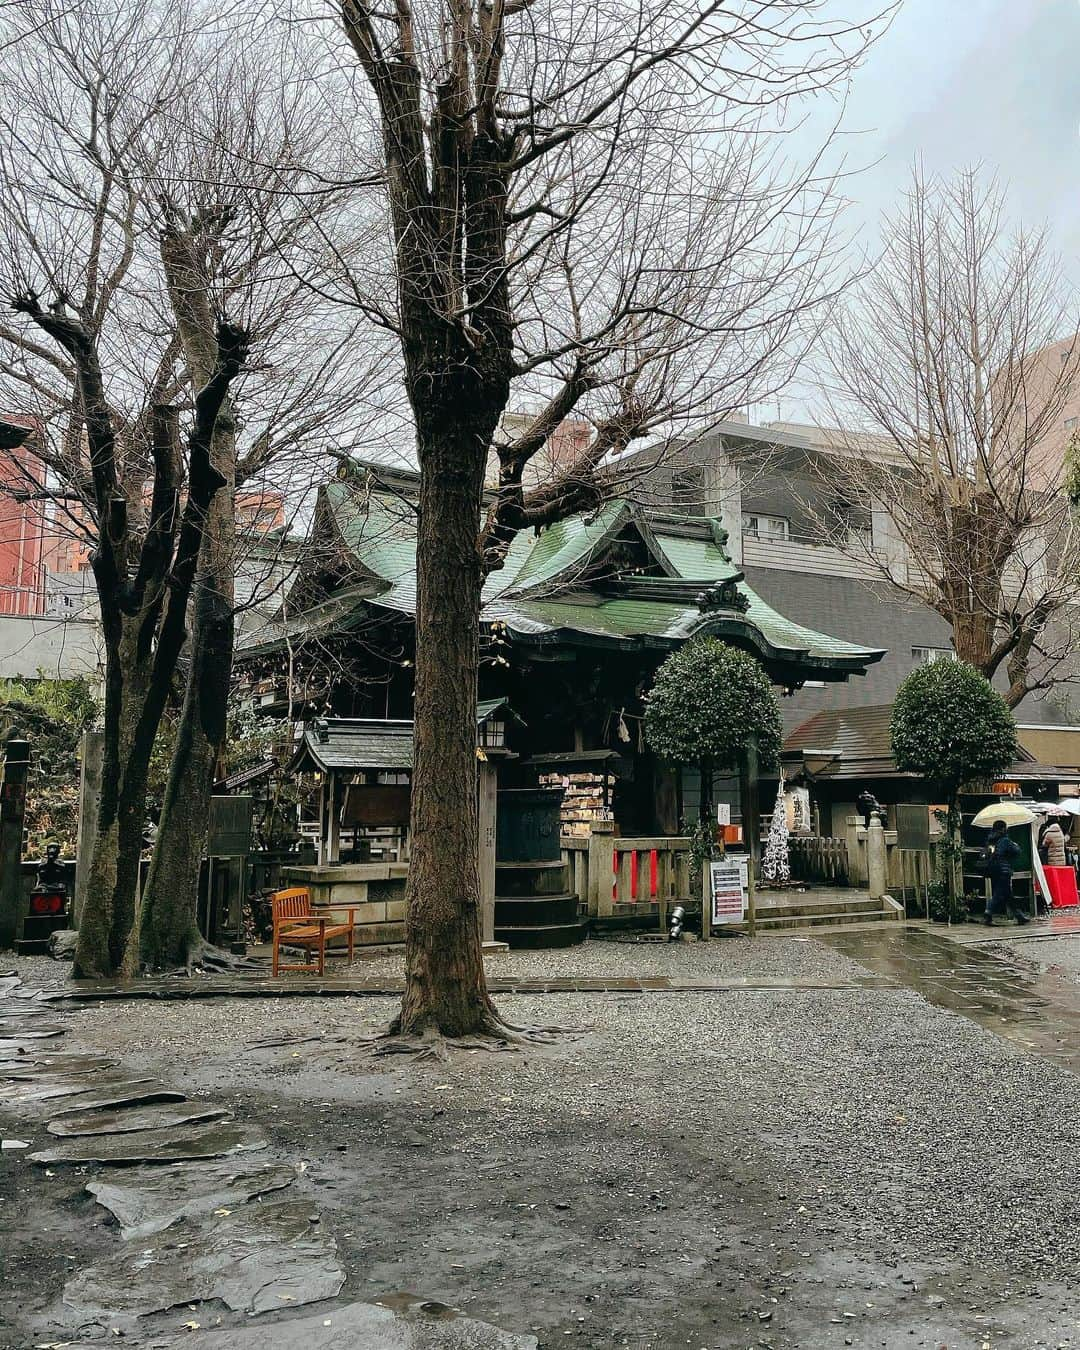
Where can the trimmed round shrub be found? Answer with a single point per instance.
(708, 700)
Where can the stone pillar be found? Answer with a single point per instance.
(89, 793)
(724, 498)
(854, 833)
(488, 797)
(12, 810)
(601, 868)
(876, 861)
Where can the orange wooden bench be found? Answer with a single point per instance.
(295, 925)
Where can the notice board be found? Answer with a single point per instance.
(727, 891)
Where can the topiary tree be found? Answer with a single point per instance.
(708, 704)
(951, 726)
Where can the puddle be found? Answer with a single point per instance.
(1039, 1012)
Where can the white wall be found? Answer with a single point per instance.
(53, 648)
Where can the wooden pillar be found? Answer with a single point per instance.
(89, 792)
(12, 810)
(601, 867)
(333, 824)
(751, 814)
(487, 787)
(320, 842)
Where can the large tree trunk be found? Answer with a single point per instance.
(168, 922)
(108, 909)
(168, 925)
(445, 990)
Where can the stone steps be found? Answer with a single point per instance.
(823, 918)
(809, 906)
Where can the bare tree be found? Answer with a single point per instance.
(938, 360)
(144, 583)
(592, 210)
(162, 185)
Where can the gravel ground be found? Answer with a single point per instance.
(1061, 955)
(764, 1169)
(728, 957)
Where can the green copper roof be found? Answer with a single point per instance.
(696, 559)
(540, 595)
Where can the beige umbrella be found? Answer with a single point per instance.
(1012, 813)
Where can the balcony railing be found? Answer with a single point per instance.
(795, 553)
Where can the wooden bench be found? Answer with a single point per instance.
(295, 925)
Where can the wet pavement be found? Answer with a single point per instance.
(182, 988)
(951, 969)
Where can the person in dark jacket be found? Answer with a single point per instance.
(1001, 854)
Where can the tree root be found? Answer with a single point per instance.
(493, 1035)
(203, 955)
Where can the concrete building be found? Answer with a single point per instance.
(1041, 371)
(766, 485)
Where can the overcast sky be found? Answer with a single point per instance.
(963, 82)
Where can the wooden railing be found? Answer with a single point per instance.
(818, 858)
(606, 871)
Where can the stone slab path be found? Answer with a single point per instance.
(204, 1218)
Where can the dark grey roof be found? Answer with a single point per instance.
(856, 743)
(354, 743)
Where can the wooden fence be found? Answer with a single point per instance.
(818, 858)
(606, 871)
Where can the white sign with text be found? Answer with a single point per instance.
(727, 891)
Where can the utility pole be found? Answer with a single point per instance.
(12, 810)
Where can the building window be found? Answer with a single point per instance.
(766, 527)
(923, 656)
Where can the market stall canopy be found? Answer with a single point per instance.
(618, 577)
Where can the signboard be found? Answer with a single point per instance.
(376, 804)
(727, 891)
(723, 813)
(912, 826)
(230, 827)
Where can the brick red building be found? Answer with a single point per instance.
(22, 527)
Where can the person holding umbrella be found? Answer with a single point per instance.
(1001, 853)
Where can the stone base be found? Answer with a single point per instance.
(374, 891)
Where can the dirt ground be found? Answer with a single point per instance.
(761, 1168)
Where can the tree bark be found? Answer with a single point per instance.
(168, 921)
(445, 991)
(168, 924)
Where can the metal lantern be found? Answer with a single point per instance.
(493, 734)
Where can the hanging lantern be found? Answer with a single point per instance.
(493, 734)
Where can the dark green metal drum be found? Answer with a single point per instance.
(527, 825)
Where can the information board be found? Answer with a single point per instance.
(723, 813)
(727, 891)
